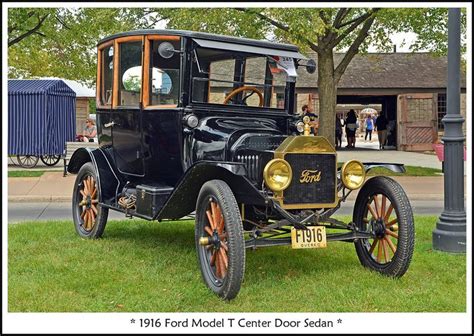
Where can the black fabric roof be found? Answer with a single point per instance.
(205, 36)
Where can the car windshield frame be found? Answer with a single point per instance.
(273, 62)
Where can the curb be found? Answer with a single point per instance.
(38, 199)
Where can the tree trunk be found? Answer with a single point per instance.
(327, 96)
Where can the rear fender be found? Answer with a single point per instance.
(183, 199)
(108, 179)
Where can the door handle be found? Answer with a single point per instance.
(110, 124)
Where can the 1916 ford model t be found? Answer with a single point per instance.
(193, 122)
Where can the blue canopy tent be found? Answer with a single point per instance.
(41, 117)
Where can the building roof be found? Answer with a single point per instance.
(386, 70)
(38, 86)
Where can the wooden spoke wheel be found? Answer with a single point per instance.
(50, 160)
(89, 217)
(27, 161)
(216, 241)
(382, 208)
(219, 239)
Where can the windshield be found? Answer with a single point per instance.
(227, 77)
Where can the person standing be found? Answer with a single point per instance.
(369, 127)
(351, 125)
(338, 132)
(381, 126)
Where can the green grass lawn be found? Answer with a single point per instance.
(25, 173)
(141, 266)
(410, 171)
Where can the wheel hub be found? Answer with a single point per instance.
(213, 240)
(379, 228)
(88, 201)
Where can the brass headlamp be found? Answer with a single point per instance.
(353, 174)
(277, 174)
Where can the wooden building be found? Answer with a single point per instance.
(410, 87)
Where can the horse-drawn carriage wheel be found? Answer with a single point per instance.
(50, 160)
(89, 217)
(220, 239)
(383, 208)
(27, 161)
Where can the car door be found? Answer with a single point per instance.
(126, 116)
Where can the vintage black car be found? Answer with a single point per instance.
(196, 124)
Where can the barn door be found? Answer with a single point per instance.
(417, 115)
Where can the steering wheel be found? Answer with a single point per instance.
(245, 88)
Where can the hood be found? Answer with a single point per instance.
(221, 138)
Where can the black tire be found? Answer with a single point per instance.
(50, 160)
(391, 251)
(225, 243)
(27, 161)
(89, 218)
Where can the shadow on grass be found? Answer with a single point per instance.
(178, 238)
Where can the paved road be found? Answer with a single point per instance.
(20, 212)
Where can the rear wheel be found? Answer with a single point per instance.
(383, 208)
(89, 217)
(219, 239)
(27, 161)
(50, 160)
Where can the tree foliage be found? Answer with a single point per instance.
(60, 42)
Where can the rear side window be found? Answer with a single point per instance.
(130, 73)
(107, 75)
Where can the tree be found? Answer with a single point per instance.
(61, 42)
(322, 30)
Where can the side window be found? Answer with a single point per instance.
(164, 74)
(130, 73)
(107, 75)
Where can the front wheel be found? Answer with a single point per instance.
(383, 208)
(89, 217)
(220, 239)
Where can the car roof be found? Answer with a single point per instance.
(205, 36)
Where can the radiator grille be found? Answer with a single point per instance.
(253, 164)
(323, 191)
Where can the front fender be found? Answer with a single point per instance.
(395, 167)
(183, 199)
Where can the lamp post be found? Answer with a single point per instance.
(450, 232)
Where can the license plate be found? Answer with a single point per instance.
(313, 237)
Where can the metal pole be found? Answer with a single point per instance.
(450, 232)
